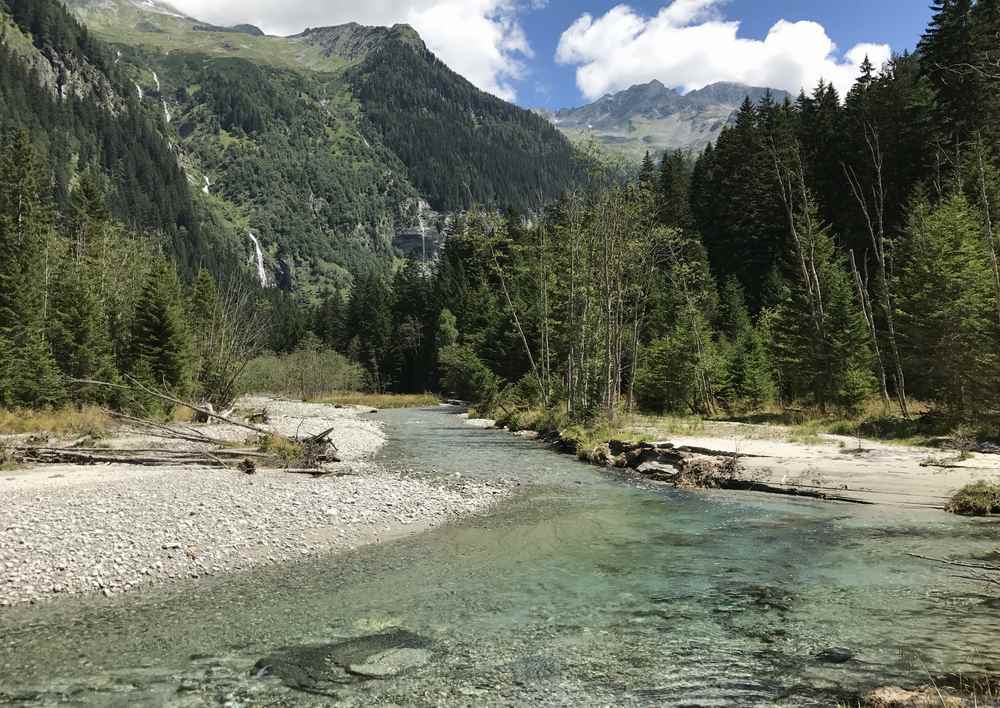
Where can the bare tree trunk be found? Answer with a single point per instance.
(988, 217)
(876, 231)
(866, 308)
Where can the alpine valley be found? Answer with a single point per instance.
(303, 156)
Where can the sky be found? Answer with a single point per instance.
(564, 53)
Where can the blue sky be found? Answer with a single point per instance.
(561, 53)
(898, 23)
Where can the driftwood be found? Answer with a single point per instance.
(136, 384)
(316, 450)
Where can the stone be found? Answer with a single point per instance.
(835, 655)
(390, 663)
(896, 697)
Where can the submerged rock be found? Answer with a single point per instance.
(323, 667)
(835, 655)
(391, 663)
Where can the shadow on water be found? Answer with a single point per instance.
(579, 590)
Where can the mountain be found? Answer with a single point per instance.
(652, 117)
(320, 147)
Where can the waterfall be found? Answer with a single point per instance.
(138, 89)
(261, 272)
(156, 80)
(208, 186)
(166, 111)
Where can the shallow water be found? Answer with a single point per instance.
(583, 589)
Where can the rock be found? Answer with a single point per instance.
(895, 697)
(835, 655)
(391, 663)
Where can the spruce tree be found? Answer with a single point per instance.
(947, 319)
(26, 224)
(948, 59)
(160, 351)
(820, 339)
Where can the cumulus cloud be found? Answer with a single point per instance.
(480, 39)
(689, 45)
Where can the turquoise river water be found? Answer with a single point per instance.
(583, 589)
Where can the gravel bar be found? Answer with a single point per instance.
(117, 528)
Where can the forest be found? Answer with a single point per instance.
(824, 253)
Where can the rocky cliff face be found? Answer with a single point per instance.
(353, 42)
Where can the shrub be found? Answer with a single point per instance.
(979, 499)
(306, 374)
(465, 376)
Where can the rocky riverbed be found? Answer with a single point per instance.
(116, 528)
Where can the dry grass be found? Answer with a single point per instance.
(382, 401)
(63, 421)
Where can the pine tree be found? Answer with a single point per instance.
(160, 351)
(26, 221)
(647, 173)
(674, 191)
(947, 58)
(820, 339)
(947, 320)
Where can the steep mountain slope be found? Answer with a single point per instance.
(318, 147)
(651, 117)
(66, 90)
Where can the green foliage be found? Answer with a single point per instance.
(947, 306)
(307, 373)
(447, 332)
(160, 348)
(461, 146)
(464, 375)
(820, 339)
(978, 499)
(684, 372)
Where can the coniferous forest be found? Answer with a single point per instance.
(824, 253)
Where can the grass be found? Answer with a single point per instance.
(88, 420)
(382, 401)
(123, 26)
(979, 499)
(288, 452)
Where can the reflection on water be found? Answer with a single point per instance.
(580, 590)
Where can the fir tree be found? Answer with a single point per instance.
(947, 321)
(160, 351)
(820, 339)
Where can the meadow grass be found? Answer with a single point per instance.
(88, 420)
(382, 401)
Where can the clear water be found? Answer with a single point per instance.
(584, 589)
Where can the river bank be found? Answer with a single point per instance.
(756, 458)
(117, 528)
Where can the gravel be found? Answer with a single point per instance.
(117, 528)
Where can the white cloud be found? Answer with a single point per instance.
(689, 45)
(480, 39)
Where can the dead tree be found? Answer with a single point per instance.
(874, 215)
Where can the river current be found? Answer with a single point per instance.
(583, 589)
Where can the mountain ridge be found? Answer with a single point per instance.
(653, 117)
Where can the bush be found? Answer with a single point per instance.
(979, 499)
(465, 376)
(306, 374)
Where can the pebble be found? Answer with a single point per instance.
(125, 528)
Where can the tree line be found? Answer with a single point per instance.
(822, 252)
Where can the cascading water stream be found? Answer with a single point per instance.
(261, 271)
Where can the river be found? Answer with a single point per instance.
(583, 589)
